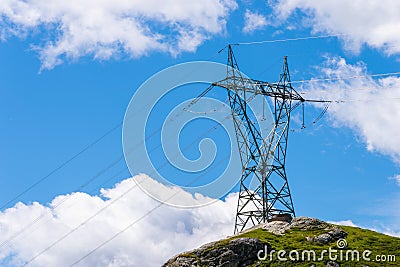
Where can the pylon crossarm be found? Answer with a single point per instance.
(259, 88)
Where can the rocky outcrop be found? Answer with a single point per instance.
(234, 253)
(238, 252)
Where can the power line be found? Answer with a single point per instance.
(119, 159)
(40, 180)
(80, 152)
(347, 77)
(338, 101)
(117, 199)
(138, 220)
(79, 226)
(289, 39)
(65, 163)
(59, 203)
(65, 198)
(92, 179)
(43, 214)
(310, 38)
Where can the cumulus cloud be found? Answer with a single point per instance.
(372, 105)
(344, 223)
(105, 29)
(396, 178)
(73, 225)
(375, 23)
(151, 241)
(253, 21)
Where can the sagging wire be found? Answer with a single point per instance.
(290, 39)
(315, 121)
(322, 113)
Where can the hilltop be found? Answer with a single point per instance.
(302, 242)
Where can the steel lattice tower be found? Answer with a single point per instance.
(262, 158)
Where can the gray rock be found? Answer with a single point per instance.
(328, 237)
(305, 223)
(183, 261)
(236, 253)
(337, 233)
(301, 223)
(277, 227)
(332, 264)
(323, 239)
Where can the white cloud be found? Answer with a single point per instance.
(372, 106)
(344, 223)
(391, 232)
(253, 21)
(373, 22)
(396, 178)
(150, 242)
(160, 235)
(107, 28)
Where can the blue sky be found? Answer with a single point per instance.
(68, 72)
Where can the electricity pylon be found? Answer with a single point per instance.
(262, 158)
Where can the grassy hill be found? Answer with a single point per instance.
(300, 240)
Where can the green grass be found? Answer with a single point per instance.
(295, 239)
(357, 239)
